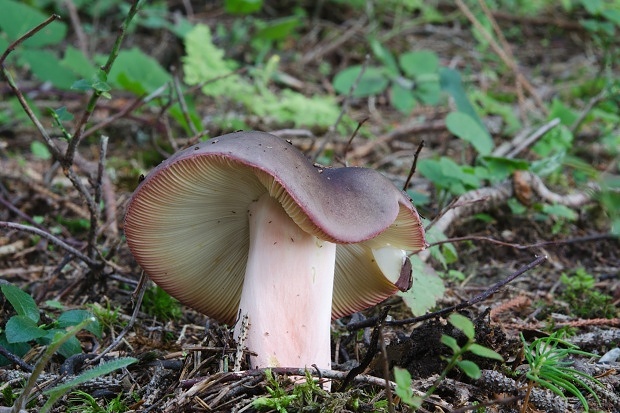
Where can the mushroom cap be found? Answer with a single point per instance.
(187, 223)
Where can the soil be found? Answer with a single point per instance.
(185, 360)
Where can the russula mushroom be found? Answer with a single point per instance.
(246, 224)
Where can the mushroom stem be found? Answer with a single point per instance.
(287, 291)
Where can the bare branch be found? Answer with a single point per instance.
(54, 240)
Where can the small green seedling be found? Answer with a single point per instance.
(55, 393)
(26, 326)
(278, 399)
(548, 363)
(471, 369)
(304, 396)
(160, 304)
(583, 299)
(82, 402)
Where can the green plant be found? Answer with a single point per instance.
(226, 85)
(243, 6)
(548, 366)
(17, 18)
(582, 297)
(108, 317)
(26, 327)
(603, 21)
(82, 402)
(57, 392)
(428, 288)
(8, 395)
(160, 304)
(278, 398)
(60, 338)
(415, 78)
(302, 397)
(471, 369)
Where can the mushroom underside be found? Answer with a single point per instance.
(188, 228)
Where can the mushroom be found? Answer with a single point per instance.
(246, 224)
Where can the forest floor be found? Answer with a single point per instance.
(185, 359)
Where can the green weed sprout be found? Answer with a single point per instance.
(57, 392)
(26, 326)
(548, 367)
(83, 402)
(60, 338)
(303, 396)
(278, 399)
(160, 304)
(471, 369)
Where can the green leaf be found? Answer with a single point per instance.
(549, 164)
(451, 342)
(500, 168)
(482, 351)
(427, 288)
(470, 368)
(19, 349)
(67, 349)
(449, 253)
(198, 44)
(488, 105)
(557, 140)
(39, 150)
(466, 128)
(560, 211)
(46, 67)
(559, 110)
(433, 236)
(593, 7)
(450, 81)
(97, 83)
(418, 63)
(92, 373)
(613, 15)
(17, 18)
(428, 90)
(258, 99)
(79, 64)
(402, 98)
(54, 304)
(402, 377)
(137, 72)
(242, 6)
(447, 174)
(22, 302)
(372, 82)
(464, 324)
(21, 329)
(63, 114)
(278, 29)
(384, 55)
(75, 317)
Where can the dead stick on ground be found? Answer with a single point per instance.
(482, 199)
(54, 240)
(468, 303)
(373, 348)
(587, 238)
